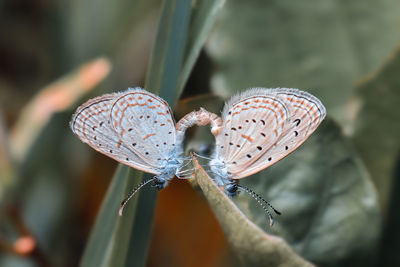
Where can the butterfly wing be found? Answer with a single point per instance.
(279, 120)
(145, 124)
(92, 124)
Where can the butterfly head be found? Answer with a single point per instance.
(231, 189)
(160, 183)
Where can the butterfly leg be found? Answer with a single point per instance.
(159, 183)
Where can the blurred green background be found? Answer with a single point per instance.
(338, 192)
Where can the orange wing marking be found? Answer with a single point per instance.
(86, 118)
(147, 136)
(247, 138)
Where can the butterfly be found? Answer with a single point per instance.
(136, 128)
(258, 128)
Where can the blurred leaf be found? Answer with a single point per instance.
(202, 17)
(104, 27)
(122, 30)
(204, 13)
(6, 168)
(329, 205)
(323, 46)
(99, 247)
(111, 237)
(376, 127)
(133, 232)
(167, 54)
(210, 102)
(250, 244)
(56, 97)
(44, 188)
(390, 241)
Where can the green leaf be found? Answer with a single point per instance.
(320, 46)
(167, 54)
(111, 237)
(7, 171)
(133, 230)
(129, 236)
(203, 16)
(329, 205)
(249, 243)
(376, 127)
(99, 247)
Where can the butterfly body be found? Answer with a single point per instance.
(169, 170)
(220, 170)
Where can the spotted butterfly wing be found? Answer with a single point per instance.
(92, 123)
(262, 126)
(144, 123)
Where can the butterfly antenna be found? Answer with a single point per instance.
(132, 193)
(200, 156)
(185, 171)
(259, 197)
(261, 202)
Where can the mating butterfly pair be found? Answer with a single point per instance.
(257, 128)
